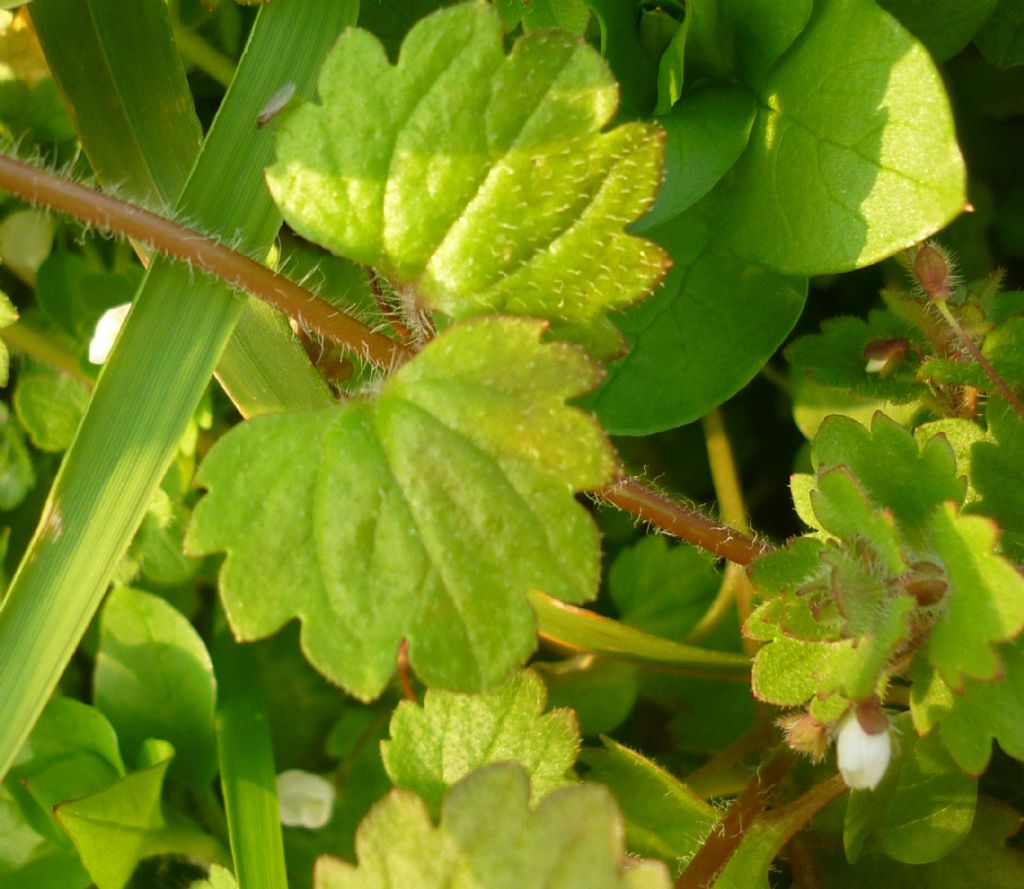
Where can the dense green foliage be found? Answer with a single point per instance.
(574, 243)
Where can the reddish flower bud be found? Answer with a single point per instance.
(883, 355)
(933, 271)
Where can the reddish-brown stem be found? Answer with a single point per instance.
(707, 864)
(976, 353)
(682, 522)
(403, 671)
(802, 865)
(388, 312)
(240, 271)
(111, 214)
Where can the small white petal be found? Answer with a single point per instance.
(862, 758)
(306, 800)
(875, 365)
(107, 329)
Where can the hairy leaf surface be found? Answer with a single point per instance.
(426, 515)
(434, 746)
(489, 836)
(477, 182)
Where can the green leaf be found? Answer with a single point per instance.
(742, 38)
(835, 357)
(8, 315)
(944, 26)
(922, 810)
(1004, 348)
(426, 515)
(154, 679)
(984, 604)
(72, 752)
(584, 630)
(1001, 40)
(983, 859)
(434, 746)
(968, 722)
(477, 183)
(853, 155)
(623, 47)
(701, 337)
(812, 403)
(910, 481)
(705, 134)
(671, 72)
(115, 828)
(220, 878)
(997, 474)
(17, 473)
(664, 818)
(74, 295)
(601, 691)
(50, 405)
(572, 839)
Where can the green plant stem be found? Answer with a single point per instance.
(23, 339)
(976, 354)
(198, 250)
(683, 522)
(207, 59)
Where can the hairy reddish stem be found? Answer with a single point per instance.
(707, 864)
(682, 522)
(111, 214)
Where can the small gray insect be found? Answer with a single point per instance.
(276, 104)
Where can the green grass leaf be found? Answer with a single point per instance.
(154, 679)
(476, 182)
(853, 155)
(426, 515)
(434, 746)
(572, 839)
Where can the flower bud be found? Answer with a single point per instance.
(805, 734)
(863, 756)
(883, 355)
(934, 272)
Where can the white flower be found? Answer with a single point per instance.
(862, 758)
(107, 329)
(306, 800)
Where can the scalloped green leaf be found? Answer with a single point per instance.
(662, 589)
(426, 515)
(984, 712)
(853, 156)
(984, 604)
(434, 746)
(477, 182)
(490, 836)
(835, 357)
(897, 474)
(997, 474)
